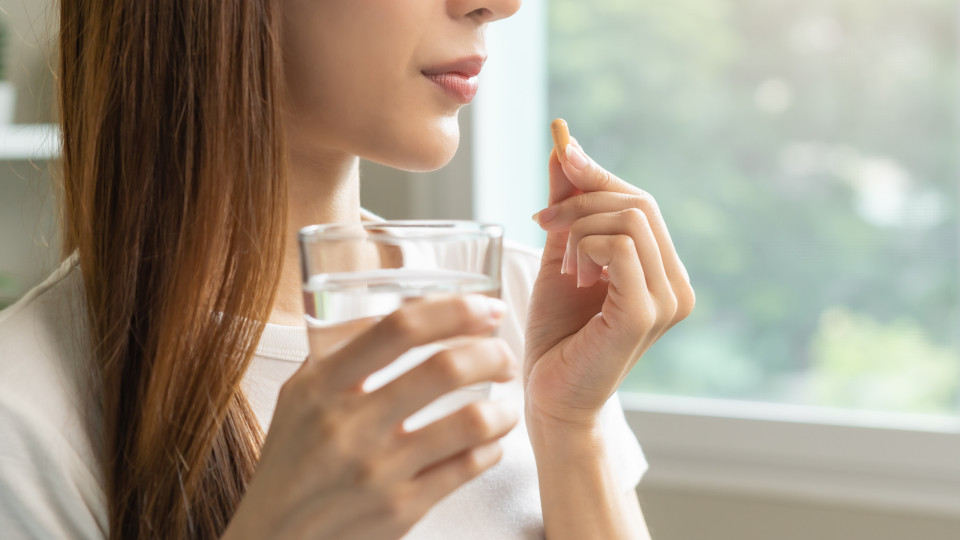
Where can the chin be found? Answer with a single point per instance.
(422, 150)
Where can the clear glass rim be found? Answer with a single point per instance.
(439, 230)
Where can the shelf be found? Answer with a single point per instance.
(29, 142)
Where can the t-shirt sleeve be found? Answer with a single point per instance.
(622, 445)
(46, 490)
(49, 472)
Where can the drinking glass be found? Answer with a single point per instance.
(356, 274)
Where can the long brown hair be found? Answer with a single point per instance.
(174, 199)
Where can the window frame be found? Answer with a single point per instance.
(892, 461)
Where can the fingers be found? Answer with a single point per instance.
(560, 189)
(586, 176)
(561, 215)
(440, 480)
(417, 323)
(618, 255)
(632, 223)
(475, 425)
(477, 361)
(599, 192)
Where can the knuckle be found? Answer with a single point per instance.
(668, 308)
(444, 369)
(580, 203)
(636, 216)
(480, 459)
(401, 324)
(364, 470)
(576, 228)
(646, 319)
(585, 243)
(686, 300)
(304, 395)
(313, 402)
(622, 244)
(399, 508)
(473, 463)
(646, 202)
(477, 421)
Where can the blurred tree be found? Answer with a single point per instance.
(805, 157)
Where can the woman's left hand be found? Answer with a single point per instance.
(610, 285)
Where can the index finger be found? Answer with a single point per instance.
(590, 178)
(417, 323)
(587, 176)
(560, 186)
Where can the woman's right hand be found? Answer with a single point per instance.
(337, 462)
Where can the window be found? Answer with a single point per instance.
(804, 154)
(805, 157)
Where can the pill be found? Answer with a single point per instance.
(561, 136)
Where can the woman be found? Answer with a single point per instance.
(140, 386)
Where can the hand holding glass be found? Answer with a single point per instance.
(355, 274)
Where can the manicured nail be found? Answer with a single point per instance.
(571, 268)
(546, 215)
(576, 157)
(563, 265)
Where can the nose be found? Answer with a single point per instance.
(483, 11)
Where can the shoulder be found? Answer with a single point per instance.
(42, 344)
(49, 476)
(623, 448)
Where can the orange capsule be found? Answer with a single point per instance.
(561, 136)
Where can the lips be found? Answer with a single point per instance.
(457, 79)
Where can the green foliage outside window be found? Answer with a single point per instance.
(804, 155)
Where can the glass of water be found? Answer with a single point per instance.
(355, 274)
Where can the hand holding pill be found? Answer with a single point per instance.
(610, 284)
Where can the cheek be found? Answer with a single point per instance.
(366, 96)
(329, 69)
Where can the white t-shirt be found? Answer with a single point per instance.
(51, 485)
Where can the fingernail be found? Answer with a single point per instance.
(563, 265)
(576, 157)
(493, 307)
(546, 215)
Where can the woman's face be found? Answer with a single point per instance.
(383, 79)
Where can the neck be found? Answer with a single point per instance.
(324, 187)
